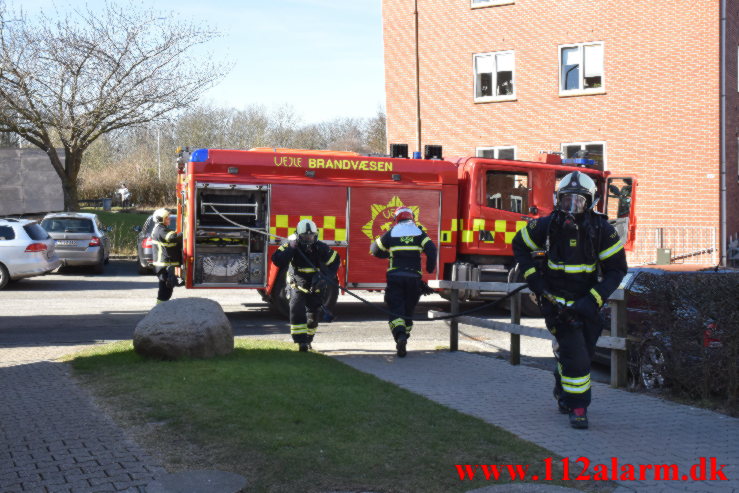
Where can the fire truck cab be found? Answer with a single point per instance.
(236, 207)
(498, 197)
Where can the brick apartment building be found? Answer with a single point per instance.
(638, 84)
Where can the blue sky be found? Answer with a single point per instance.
(322, 57)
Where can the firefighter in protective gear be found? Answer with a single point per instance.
(403, 245)
(312, 265)
(585, 262)
(167, 252)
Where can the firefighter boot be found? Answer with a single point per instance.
(563, 409)
(402, 340)
(312, 323)
(303, 347)
(310, 341)
(579, 418)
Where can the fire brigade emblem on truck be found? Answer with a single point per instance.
(382, 217)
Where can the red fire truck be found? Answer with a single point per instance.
(234, 207)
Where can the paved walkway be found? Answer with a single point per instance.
(635, 428)
(53, 438)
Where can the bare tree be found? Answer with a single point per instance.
(377, 133)
(68, 81)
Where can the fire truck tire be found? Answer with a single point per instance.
(279, 301)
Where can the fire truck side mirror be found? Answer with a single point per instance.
(533, 210)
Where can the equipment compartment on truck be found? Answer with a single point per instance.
(225, 253)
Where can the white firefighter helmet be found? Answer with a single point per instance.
(160, 214)
(575, 192)
(307, 231)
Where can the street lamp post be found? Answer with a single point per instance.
(159, 157)
(418, 80)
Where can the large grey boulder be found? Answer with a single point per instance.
(185, 327)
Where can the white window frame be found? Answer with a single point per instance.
(582, 147)
(581, 91)
(489, 3)
(518, 201)
(496, 149)
(494, 81)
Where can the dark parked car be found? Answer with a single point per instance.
(143, 243)
(681, 328)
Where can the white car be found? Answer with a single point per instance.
(26, 250)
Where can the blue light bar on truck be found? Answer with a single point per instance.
(579, 161)
(199, 156)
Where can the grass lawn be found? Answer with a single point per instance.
(298, 422)
(123, 236)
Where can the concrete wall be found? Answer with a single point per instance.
(28, 183)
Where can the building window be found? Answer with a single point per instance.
(499, 152)
(581, 69)
(507, 191)
(589, 150)
(494, 76)
(489, 3)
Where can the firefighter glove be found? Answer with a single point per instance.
(586, 307)
(426, 289)
(536, 284)
(292, 241)
(318, 283)
(170, 282)
(430, 264)
(548, 297)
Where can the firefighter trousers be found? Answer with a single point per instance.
(401, 296)
(167, 282)
(304, 311)
(576, 341)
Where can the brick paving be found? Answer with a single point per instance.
(52, 436)
(635, 428)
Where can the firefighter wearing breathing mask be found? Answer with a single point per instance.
(584, 263)
(311, 266)
(403, 245)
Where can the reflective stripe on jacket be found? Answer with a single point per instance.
(404, 252)
(166, 247)
(574, 257)
(301, 272)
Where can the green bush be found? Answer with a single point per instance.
(692, 319)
